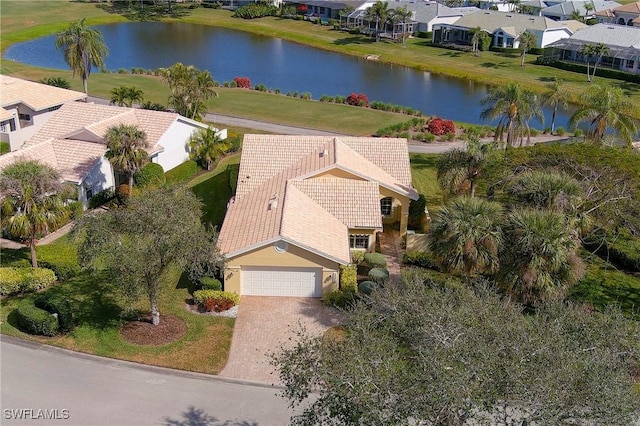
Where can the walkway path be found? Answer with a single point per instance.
(390, 246)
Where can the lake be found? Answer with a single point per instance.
(277, 64)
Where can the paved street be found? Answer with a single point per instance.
(102, 391)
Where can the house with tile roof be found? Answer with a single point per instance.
(584, 8)
(505, 29)
(622, 41)
(629, 14)
(72, 141)
(26, 105)
(303, 203)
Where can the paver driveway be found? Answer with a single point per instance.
(263, 324)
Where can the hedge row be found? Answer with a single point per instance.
(61, 259)
(601, 72)
(183, 172)
(199, 296)
(22, 280)
(34, 320)
(210, 283)
(59, 306)
(348, 278)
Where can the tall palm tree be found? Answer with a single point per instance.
(126, 151)
(31, 205)
(587, 51)
(528, 40)
(380, 12)
(555, 96)
(513, 106)
(189, 89)
(599, 50)
(206, 146)
(465, 236)
(605, 107)
(475, 40)
(402, 16)
(83, 49)
(538, 261)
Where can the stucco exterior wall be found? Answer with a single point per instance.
(370, 232)
(100, 178)
(24, 130)
(175, 142)
(294, 257)
(400, 209)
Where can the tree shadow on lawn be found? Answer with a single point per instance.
(424, 162)
(215, 193)
(147, 13)
(493, 65)
(354, 40)
(630, 89)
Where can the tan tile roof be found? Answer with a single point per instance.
(629, 8)
(91, 121)
(356, 203)
(311, 211)
(73, 159)
(4, 114)
(36, 96)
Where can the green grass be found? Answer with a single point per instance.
(423, 171)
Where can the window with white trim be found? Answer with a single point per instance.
(359, 241)
(386, 206)
(88, 192)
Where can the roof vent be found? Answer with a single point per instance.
(324, 152)
(273, 202)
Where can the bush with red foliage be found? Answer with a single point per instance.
(437, 126)
(242, 82)
(302, 9)
(217, 304)
(358, 99)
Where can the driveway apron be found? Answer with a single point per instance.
(264, 324)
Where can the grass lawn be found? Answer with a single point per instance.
(100, 311)
(423, 171)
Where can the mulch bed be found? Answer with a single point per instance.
(143, 332)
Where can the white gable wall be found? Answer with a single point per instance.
(23, 129)
(99, 178)
(175, 142)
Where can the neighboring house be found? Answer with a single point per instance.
(72, 142)
(303, 202)
(585, 9)
(532, 7)
(326, 9)
(623, 43)
(629, 14)
(26, 105)
(505, 29)
(425, 14)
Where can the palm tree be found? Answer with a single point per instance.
(587, 51)
(206, 146)
(475, 40)
(555, 96)
(599, 50)
(83, 49)
(189, 89)
(126, 152)
(605, 107)
(527, 41)
(402, 16)
(465, 236)
(458, 169)
(576, 16)
(513, 107)
(380, 12)
(119, 96)
(31, 205)
(547, 190)
(538, 261)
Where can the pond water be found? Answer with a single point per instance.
(277, 64)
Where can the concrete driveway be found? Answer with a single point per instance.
(263, 325)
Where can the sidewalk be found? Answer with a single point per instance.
(49, 238)
(390, 246)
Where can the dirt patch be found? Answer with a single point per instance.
(143, 332)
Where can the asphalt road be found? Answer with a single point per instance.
(80, 389)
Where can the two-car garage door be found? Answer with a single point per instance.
(293, 282)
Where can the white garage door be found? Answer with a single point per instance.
(294, 282)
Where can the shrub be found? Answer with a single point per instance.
(35, 320)
(358, 99)
(61, 259)
(379, 276)
(357, 257)
(199, 296)
(4, 147)
(59, 306)
(375, 260)
(152, 174)
(217, 304)
(154, 106)
(209, 283)
(348, 278)
(416, 211)
(76, 208)
(306, 96)
(340, 298)
(242, 82)
(183, 172)
(21, 280)
(101, 198)
(560, 131)
(56, 82)
(438, 126)
(255, 10)
(367, 287)
(419, 258)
